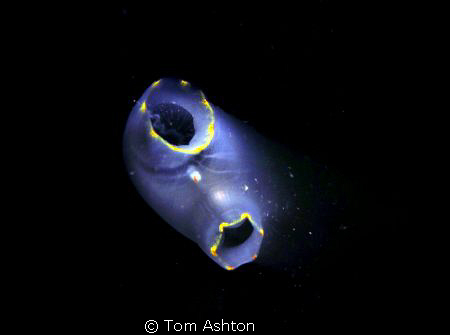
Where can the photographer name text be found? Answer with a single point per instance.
(152, 326)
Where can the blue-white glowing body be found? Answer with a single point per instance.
(214, 189)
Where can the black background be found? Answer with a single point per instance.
(311, 78)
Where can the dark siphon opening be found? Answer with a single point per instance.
(173, 123)
(234, 236)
